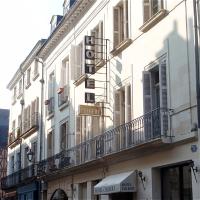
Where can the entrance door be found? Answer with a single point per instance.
(177, 183)
(122, 196)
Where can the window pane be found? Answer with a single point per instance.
(187, 183)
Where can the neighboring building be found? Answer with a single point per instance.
(120, 102)
(4, 120)
(24, 128)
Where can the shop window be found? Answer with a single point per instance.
(176, 182)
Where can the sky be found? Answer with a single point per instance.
(23, 23)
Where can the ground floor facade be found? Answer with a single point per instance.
(171, 172)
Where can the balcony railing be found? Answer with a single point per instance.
(18, 177)
(63, 96)
(141, 130)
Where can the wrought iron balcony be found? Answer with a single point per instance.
(142, 130)
(19, 177)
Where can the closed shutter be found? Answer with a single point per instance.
(72, 63)
(116, 26)
(163, 96)
(117, 109)
(125, 18)
(146, 7)
(33, 113)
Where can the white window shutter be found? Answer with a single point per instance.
(147, 91)
(116, 26)
(100, 40)
(72, 63)
(117, 108)
(146, 9)
(78, 61)
(163, 96)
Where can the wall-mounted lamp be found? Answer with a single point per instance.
(142, 178)
(30, 155)
(195, 169)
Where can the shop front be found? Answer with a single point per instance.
(29, 192)
(118, 186)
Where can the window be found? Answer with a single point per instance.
(122, 107)
(64, 136)
(76, 61)
(12, 164)
(14, 95)
(34, 149)
(97, 32)
(50, 143)
(63, 91)
(51, 90)
(20, 87)
(34, 112)
(151, 7)
(155, 97)
(35, 71)
(28, 77)
(25, 156)
(18, 161)
(120, 23)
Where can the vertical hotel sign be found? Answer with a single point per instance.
(89, 67)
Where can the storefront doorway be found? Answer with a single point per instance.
(59, 195)
(120, 196)
(177, 182)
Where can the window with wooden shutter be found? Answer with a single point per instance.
(125, 18)
(146, 9)
(50, 143)
(63, 136)
(116, 26)
(147, 91)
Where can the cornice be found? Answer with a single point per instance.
(25, 64)
(65, 26)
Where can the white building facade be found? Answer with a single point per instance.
(120, 106)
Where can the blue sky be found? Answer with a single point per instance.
(23, 23)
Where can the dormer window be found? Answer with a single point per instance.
(55, 20)
(67, 5)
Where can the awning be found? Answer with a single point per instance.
(124, 182)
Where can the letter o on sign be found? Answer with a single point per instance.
(89, 54)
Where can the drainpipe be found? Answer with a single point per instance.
(41, 106)
(196, 46)
(22, 108)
